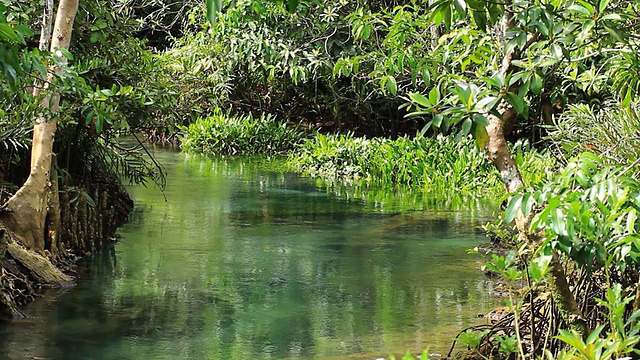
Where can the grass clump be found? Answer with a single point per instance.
(440, 163)
(224, 134)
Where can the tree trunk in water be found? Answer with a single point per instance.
(499, 154)
(28, 207)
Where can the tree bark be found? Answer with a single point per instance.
(54, 223)
(47, 17)
(28, 207)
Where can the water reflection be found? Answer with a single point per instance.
(243, 264)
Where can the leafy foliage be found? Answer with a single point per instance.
(611, 132)
(309, 65)
(104, 88)
(223, 134)
(563, 52)
(619, 342)
(430, 163)
(433, 164)
(15, 63)
(589, 213)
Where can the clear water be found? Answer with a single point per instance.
(239, 263)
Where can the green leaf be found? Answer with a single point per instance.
(213, 7)
(556, 51)
(292, 5)
(631, 220)
(22, 31)
(487, 103)
(408, 356)
(571, 338)
(492, 81)
(64, 52)
(434, 96)
(424, 355)
(517, 102)
(11, 74)
(480, 17)
(512, 208)
(89, 117)
(580, 9)
(614, 17)
(392, 85)
(595, 334)
(420, 100)
(437, 14)
(603, 5)
(461, 7)
(437, 120)
(558, 222)
(528, 201)
(480, 119)
(481, 136)
(626, 101)
(616, 33)
(426, 77)
(536, 84)
(98, 124)
(466, 126)
(447, 17)
(7, 33)
(495, 12)
(418, 113)
(426, 128)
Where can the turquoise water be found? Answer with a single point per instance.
(242, 263)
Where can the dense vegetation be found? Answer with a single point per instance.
(417, 79)
(222, 134)
(561, 71)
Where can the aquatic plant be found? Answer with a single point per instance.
(224, 134)
(431, 164)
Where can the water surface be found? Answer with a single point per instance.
(241, 263)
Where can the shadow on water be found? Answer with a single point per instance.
(240, 263)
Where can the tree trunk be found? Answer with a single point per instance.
(28, 207)
(499, 154)
(54, 223)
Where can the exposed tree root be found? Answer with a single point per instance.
(87, 225)
(39, 267)
(538, 319)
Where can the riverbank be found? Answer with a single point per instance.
(83, 221)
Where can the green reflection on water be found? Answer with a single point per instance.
(246, 264)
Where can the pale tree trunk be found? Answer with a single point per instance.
(28, 207)
(500, 155)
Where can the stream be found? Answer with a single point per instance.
(234, 261)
